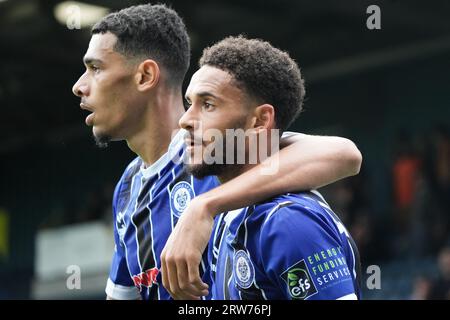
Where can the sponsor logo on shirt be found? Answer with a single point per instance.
(329, 267)
(299, 282)
(146, 279)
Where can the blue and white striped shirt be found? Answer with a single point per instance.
(146, 206)
(290, 247)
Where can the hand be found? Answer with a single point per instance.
(182, 254)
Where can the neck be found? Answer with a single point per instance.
(233, 171)
(158, 125)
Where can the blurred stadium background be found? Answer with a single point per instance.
(388, 90)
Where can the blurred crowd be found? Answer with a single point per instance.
(416, 228)
(435, 287)
(421, 186)
(421, 189)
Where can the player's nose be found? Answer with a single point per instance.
(188, 119)
(80, 88)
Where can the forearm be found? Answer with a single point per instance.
(309, 163)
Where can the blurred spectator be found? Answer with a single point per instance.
(349, 200)
(405, 173)
(421, 288)
(440, 288)
(361, 231)
(411, 197)
(442, 163)
(438, 170)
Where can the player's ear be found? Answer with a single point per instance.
(147, 75)
(264, 117)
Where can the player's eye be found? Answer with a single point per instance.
(208, 106)
(94, 68)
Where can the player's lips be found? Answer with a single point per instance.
(90, 118)
(191, 140)
(85, 106)
(192, 143)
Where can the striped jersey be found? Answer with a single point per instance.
(290, 247)
(147, 203)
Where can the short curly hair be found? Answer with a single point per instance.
(153, 31)
(266, 74)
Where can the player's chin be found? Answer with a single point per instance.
(102, 138)
(193, 158)
(198, 170)
(203, 170)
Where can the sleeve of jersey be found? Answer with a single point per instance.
(303, 257)
(205, 272)
(119, 285)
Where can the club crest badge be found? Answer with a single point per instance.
(180, 197)
(243, 270)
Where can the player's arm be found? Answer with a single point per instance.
(306, 265)
(119, 285)
(306, 162)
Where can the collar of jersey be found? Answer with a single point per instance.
(174, 147)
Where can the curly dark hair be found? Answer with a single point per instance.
(153, 31)
(265, 73)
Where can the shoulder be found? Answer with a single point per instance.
(134, 165)
(298, 227)
(127, 176)
(132, 168)
(292, 205)
(296, 215)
